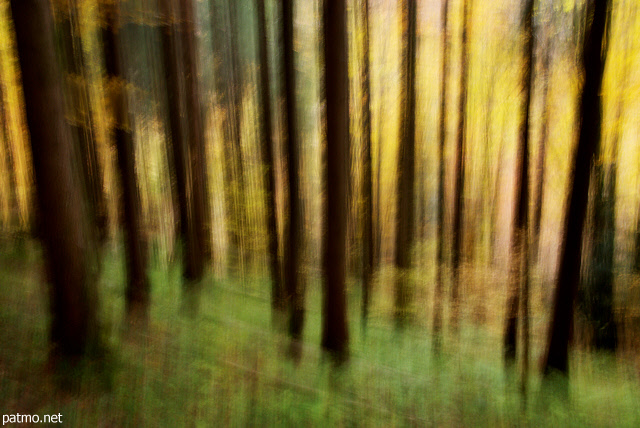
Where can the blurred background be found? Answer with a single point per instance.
(164, 254)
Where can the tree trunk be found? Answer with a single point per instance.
(520, 231)
(458, 190)
(175, 101)
(73, 294)
(597, 292)
(138, 287)
(294, 287)
(78, 114)
(335, 333)
(556, 357)
(235, 155)
(199, 232)
(442, 131)
(544, 131)
(367, 183)
(406, 167)
(267, 146)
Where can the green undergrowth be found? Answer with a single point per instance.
(214, 360)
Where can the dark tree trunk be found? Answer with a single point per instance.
(556, 357)
(442, 131)
(367, 182)
(294, 287)
(406, 167)
(267, 146)
(73, 294)
(520, 231)
(173, 76)
(198, 230)
(597, 292)
(335, 332)
(138, 287)
(78, 114)
(458, 191)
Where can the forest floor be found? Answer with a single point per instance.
(214, 360)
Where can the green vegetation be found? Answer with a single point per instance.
(222, 366)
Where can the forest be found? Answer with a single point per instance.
(320, 212)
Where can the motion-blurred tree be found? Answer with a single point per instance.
(78, 113)
(442, 136)
(518, 265)
(335, 334)
(199, 233)
(590, 116)
(406, 165)
(267, 148)
(138, 286)
(458, 190)
(64, 228)
(177, 154)
(367, 189)
(293, 284)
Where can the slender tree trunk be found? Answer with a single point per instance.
(367, 190)
(556, 357)
(335, 333)
(495, 200)
(520, 231)
(138, 287)
(267, 146)
(544, 131)
(78, 114)
(199, 232)
(294, 287)
(442, 137)
(235, 86)
(458, 191)
(73, 294)
(177, 153)
(406, 167)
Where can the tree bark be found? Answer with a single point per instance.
(556, 356)
(267, 146)
(458, 190)
(78, 114)
(442, 137)
(335, 333)
(544, 131)
(73, 295)
(234, 85)
(520, 231)
(138, 286)
(406, 167)
(597, 292)
(294, 287)
(199, 232)
(367, 182)
(175, 101)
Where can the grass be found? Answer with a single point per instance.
(223, 365)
